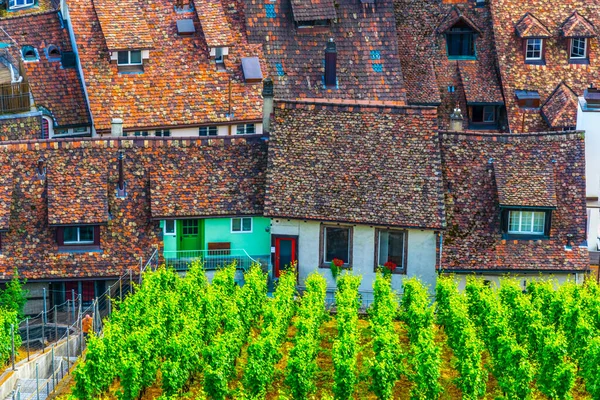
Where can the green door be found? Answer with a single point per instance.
(189, 236)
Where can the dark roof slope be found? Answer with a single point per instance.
(307, 10)
(475, 187)
(223, 180)
(6, 192)
(367, 52)
(370, 164)
(56, 88)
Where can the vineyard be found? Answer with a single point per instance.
(190, 337)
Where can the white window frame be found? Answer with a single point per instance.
(242, 225)
(541, 50)
(26, 3)
(129, 57)
(166, 232)
(79, 241)
(585, 44)
(77, 131)
(530, 231)
(400, 267)
(245, 129)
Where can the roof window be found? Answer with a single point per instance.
(185, 27)
(16, 4)
(251, 68)
(30, 53)
(53, 53)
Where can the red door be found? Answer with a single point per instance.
(285, 253)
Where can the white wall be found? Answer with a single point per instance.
(524, 279)
(420, 258)
(589, 121)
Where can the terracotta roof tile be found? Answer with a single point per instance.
(560, 110)
(180, 84)
(474, 239)
(310, 10)
(531, 27)
(528, 183)
(577, 26)
(455, 16)
(123, 25)
(79, 196)
(370, 164)
(6, 192)
(368, 66)
(474, 81)
(214, 23)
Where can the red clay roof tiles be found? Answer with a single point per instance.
(369, 164)
(560, 110)
(454, 17)
(529, 183)
(578, 26)
(311, 10)
(214, 23)
(123, 24)
(6, 192)
(531, 27)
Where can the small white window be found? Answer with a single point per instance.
(241, 225)
(529, 222)
(162, 132)
(133, 57)
(246, 129)
(78, 235)
(534, 49)
(169, 227)
(578, 48)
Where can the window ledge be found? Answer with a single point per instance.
(535, 62)
(525, 236)
(462, 58)
(130, 69)
(583, 61)
(79, 249)
(328, 266)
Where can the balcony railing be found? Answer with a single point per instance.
(212, 259)
(14, 98)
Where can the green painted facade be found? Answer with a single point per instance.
(210, 230)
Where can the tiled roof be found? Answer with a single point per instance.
(221, 181)
(310, 10)
(578, 26)
(528, 183)
(13, 127)
(41, 6)
(123, 24)
(560, 110)
(474, 240)
(6, 192)
(214, 23)
(79, 196)
(517, 75)
(370, 164)
(367, 52)
(430, 77)
(180, 84)
(531, 27)
(53, 87)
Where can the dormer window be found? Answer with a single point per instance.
(219, 55)
(313, 23)
(578, 48)
(460, 42)
(528, 98)
(534, 49)
(132, 57)
(29, 53)
(16, 4)
(53, 53)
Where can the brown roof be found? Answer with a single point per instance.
(357, 163)
(367, 52)
(214, 23)
(6, 192)
(80, 196)
(475, 188)
(578, 26)
(53, 87)
(309, 10)
(517, 75)
(531, 27)
(560, 110)
(427, 70)
(223, 180)
(180, 84)
(528, 183)
(123, 24)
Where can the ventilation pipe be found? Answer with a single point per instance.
(330, 64)
(267, 94)
(116, 127)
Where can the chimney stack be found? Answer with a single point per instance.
(456, 120)
(267, 94)
(330, 64)
(116, 127)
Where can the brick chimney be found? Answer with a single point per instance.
(116, 127)
(456, 120)
(330, 64)
(267, 94)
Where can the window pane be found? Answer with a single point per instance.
(539, 222)
(170, 226)
(534, 49)
(86, 234)
(391, 247)
(337, 244)
(489, 114)
(70, 234)
(477, 114)
(250, 128)
(460, 44)
(236, 224)
(136, 57)
(241, 129)
(123, 57)
(578, 47)
(526, 219)
(247, 224)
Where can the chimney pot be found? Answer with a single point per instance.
(116, 127)
(330, 64)
(456, 120)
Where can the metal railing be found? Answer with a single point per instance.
(14, 98)
(212, 259)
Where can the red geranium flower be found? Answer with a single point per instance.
(338, 263)
(390, 265)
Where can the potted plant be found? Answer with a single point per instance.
(336, 266)
(388, 268)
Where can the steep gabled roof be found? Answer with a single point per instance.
(214, 23)
(531, 27)
(456, 16)
(560, 110)
(358, 163)
(123, 24)
(530, 183)
(309, 10)
(577, 26)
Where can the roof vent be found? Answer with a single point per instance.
(185, 27)
(592, 97)
(251, 68)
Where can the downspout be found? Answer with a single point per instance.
(440, 254)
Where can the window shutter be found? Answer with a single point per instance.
(504, 220)
(547, 223)
(60, 237)
(97, 235)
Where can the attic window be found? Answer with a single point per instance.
(133, 57)
(578, 49)
(53, 53)
(185, 27)
(528, 98)
(460, 42)
(251, 69)
(29, 53)
(313, 23)
(15, 4)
